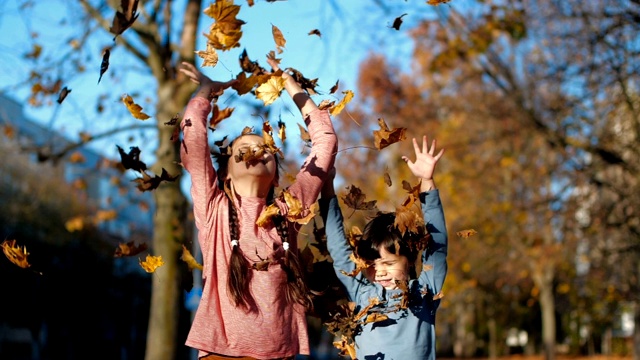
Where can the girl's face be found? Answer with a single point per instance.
(390, 268)
(263, 167)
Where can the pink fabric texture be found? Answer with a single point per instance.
(274, 328)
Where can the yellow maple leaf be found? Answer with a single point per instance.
(134, 109)
(269, 212)
(224, 33)
(151, 263)
(189, 259)
(269, 91)
(15, 254)
(337, 108)
(210, 56)
(313, 211)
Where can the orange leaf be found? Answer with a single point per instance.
(355, 199)
(134, 109)
(15, 254)
(269, 212)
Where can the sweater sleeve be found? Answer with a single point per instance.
(196, 158)
(339, 248)
(434, 259)
(309, 179)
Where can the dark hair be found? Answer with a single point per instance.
(381, 233)
(240, 270)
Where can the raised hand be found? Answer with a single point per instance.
(425, 162)
(208, 88)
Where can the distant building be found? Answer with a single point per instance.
(134, 219)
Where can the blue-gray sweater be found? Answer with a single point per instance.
(408, 334)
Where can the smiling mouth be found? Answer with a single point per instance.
(386, 283)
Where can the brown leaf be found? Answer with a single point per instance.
(210, 56)
(397, 22)
(63, 94)
(225, 33)
(124, 17)
(387, 177)
(315, 32)
(147, 182)
(129, 249)
(466, 233)
(278, 38)
(104, 65)
(355, 199)
(385, 137)
(218, 115)
(334, 88)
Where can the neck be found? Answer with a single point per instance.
(252, 187)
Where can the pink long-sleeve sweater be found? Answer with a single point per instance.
(275, 328)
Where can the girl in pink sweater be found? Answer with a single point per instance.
(254, 300)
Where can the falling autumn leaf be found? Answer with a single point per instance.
(16, 254)
(124, 17)
(129, 249)
(131, 160)
(104, 65)
(210, 56)
(337, 109)
(147, 183)
(218, 115)
(466, 233)
(437, 2)
(151, 263)
(315, 32)
(192, 263)
(387, 177)
(270, 90)
(397, 22)
(278, 38)
(266, 215)
(134, 109)
(385, 136)
(334, 88)
(282, 131)
(63, 94)
(225, 33)
(355, 199)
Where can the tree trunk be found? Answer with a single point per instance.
(544, 281)
(636, 321)
(168, 236)
(493, 338)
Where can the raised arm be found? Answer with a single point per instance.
(337, 242)
(434, 259)
(194, 150)
(323, 139)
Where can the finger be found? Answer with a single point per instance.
(416, 148)
(425, 147)
(433, 147)
(437, 157)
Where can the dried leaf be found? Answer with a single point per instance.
(124, 17)
(266, 215)
(387, 177)
(192, 263)
(210, 56)
(355, 199)
(129, 249)
(104, 65)
(466, 233)
(63, 94)
(218, 115)
(278, 38)
(225, 33)
(397, 22)
(131, 160)
(385, 137)
(134, 109)
(270, 90)
(147, 182)
(151, 263)
(337, 109)
(16, 254)
(334, 88)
